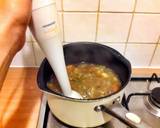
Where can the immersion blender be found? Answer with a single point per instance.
(44, 26)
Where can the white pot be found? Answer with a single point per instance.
(81, 113)
(90, 113)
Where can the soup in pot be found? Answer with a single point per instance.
(90, 80)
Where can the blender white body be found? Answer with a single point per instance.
(45, 28)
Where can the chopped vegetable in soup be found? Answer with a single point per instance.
(90, 80)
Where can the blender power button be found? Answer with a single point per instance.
(133, 117)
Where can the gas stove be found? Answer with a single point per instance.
(142, 97)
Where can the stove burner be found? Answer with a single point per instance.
(155, 97)
(151, 108)
(151, 97)
(152, 102)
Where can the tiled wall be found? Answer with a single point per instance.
(130, 26)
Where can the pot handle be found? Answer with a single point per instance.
(118, 111)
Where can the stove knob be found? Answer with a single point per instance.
(133, 117)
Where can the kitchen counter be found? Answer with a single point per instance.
(20, 99)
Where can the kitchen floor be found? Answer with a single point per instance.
(20, 99)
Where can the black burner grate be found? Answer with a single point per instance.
(125, 101)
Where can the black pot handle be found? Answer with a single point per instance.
(123, 115)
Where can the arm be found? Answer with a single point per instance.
(14, 18)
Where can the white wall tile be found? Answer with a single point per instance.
(117, 5)
(117, 46)
(28, 36)
(25, 57)
(140, 54)
(145, 28)
(59, 5)
(156, 58)
(148, 6)
(39, 55)
(113, 27)
(79, 26)
(80, 5)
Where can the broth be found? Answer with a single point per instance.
(90, 80)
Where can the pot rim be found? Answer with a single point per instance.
(82, 100)
(50, 92)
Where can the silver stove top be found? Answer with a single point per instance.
(136, 105)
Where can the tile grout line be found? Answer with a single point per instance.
(131, 42)
(130, 12)
(109, 12)
(34, 54)
(130, 27)
(124, 42)
(33, 49)
(63, 36)
(97, 21)
(139, 42)
(157, 43)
